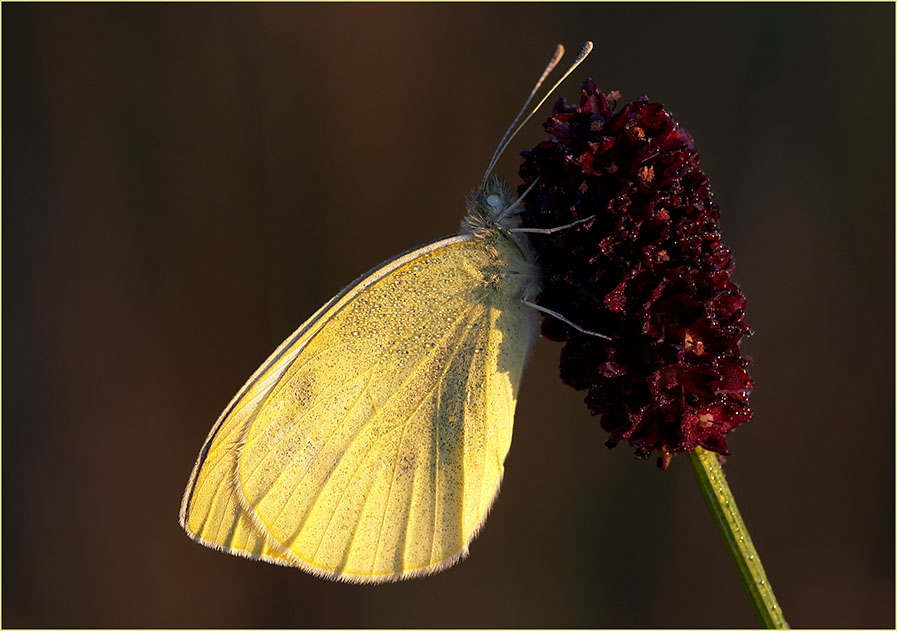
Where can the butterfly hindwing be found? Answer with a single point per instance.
(371, 445)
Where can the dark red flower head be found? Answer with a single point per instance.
(649, 271)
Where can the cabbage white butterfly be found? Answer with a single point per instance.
(370, 445)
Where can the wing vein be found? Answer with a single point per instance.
(298, 530)
(462, 320)
(485, 437)
(297, 421)
(296, 427)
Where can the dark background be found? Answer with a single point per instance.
(184, 184)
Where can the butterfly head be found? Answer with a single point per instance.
(487, 207)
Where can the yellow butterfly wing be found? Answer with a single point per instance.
(371, 444)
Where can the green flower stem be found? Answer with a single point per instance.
(722, 505)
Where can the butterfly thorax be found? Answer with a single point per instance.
(513, 260)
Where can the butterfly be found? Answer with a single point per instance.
(370, 445)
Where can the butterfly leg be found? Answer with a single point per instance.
(550, 230)
(557, 315)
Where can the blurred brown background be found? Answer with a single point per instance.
(184, 184)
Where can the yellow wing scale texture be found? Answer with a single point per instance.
(371, 445)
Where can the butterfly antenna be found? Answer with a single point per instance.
(514, 126)
(555, 58)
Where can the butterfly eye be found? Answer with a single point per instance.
(494, 202)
